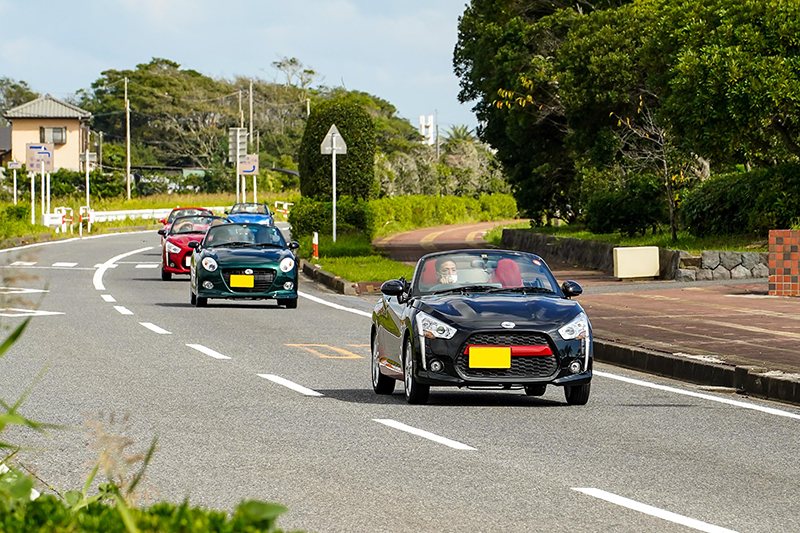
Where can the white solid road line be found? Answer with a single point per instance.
(654, 511)
(735, 403)
(98, 275)
(335, 306)
(207, 351)
(68, 265)
(153, 327)
(123, 310)
(109, 298)
(420, 433)
(290, 384)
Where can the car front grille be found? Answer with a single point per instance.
(262, 279)
(523, 367)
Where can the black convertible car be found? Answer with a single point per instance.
(481, 318)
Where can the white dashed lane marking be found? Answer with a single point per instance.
(123, 310)
(148, 265)
(153, 327)
(23, 263)
(208, 351)
(290, 384)
(422, 433)
(67, 265)
(109, 298)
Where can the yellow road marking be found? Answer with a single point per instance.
(430, 236)
(310, 348)
(359, 345)
(471, 236)
(387, 239)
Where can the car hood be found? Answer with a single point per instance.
(489, 310)
(250, 219)
(247, 256)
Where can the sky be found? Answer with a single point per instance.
(399, 50)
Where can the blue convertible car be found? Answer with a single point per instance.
(250, 213)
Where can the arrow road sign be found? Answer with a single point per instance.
(333, 143)
(35, 154)
(249, 166)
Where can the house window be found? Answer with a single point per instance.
(53, 135)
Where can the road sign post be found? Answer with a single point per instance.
(249, 167)
(237, 151)
(333, 144)
(15, 165)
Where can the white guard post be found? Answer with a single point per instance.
(60, 217)
(315, 245)
(85, 214)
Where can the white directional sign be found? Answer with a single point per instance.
(14, 165)
(36, 153)
(249, 167)
(237, 145)
(333, 143)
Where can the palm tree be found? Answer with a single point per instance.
(460, 133)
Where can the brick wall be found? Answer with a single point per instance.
(784, 262)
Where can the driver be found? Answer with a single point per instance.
(446, 271)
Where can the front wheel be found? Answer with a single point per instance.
(165, 276)
(416, 393)
(199, 301)
(380, 384)
(578, 394)
(192, 298)
(288, 303)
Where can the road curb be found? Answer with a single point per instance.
(746, 380)
(332, 281)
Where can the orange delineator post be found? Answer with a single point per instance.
(315, 245)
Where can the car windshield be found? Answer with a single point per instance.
(194, 224)
(483, 272)
(251, 208)
(187, 212)
(243, 235)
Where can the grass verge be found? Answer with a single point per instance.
(686, 242)
(365, 268)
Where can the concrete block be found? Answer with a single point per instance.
(636, 262)
(709, 259)
(721, 273)
(740, 272)
(750, 259)
(686, 275)
(760, 271)
(691, 262)
(730, 259)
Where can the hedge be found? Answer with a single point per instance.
(744, 203)
(387, 215)
(634, 207)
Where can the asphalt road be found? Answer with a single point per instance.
(646, 454)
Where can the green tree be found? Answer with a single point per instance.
(355, 173)
(14, 93)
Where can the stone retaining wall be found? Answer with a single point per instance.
(680, 266)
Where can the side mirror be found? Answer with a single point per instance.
(571, 289)
(163, 221)
(162, 232)
(193, 245)
(226, 213)
(294, 245)
(393, 287)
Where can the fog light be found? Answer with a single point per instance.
(436, 365)
(288, 286)
(208, 285)
(575, 367)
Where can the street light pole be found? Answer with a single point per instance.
(127, 141)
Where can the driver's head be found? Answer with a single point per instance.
(446, 270)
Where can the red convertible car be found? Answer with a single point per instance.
(182, 212)
(176, 256)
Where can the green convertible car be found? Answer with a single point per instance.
(244, 262)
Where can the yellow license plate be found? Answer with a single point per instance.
(245, 282)
(486, 357)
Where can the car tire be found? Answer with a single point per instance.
(380, 384)
(536, 390)
(578, 394)
(200, 301)
(288, 303)
(192, 298)
(165, 276)
(416, 392)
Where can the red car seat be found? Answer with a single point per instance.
(507, 273)
(429, 276)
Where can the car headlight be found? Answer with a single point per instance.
(171, 248)
(430, 327)
(287, 264)
(209, 264)
(577, 328)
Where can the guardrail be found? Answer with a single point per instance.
(105, 216)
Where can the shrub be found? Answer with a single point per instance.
(631, 208)
(355, 171)
(743, 203)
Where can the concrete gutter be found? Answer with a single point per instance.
(332, 281)
(746, 380)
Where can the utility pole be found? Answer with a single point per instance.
(308, 107)
(100, 153)
(127, 141)
(251, 112)
(241, 115)
(437, 135)
(258, 142)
